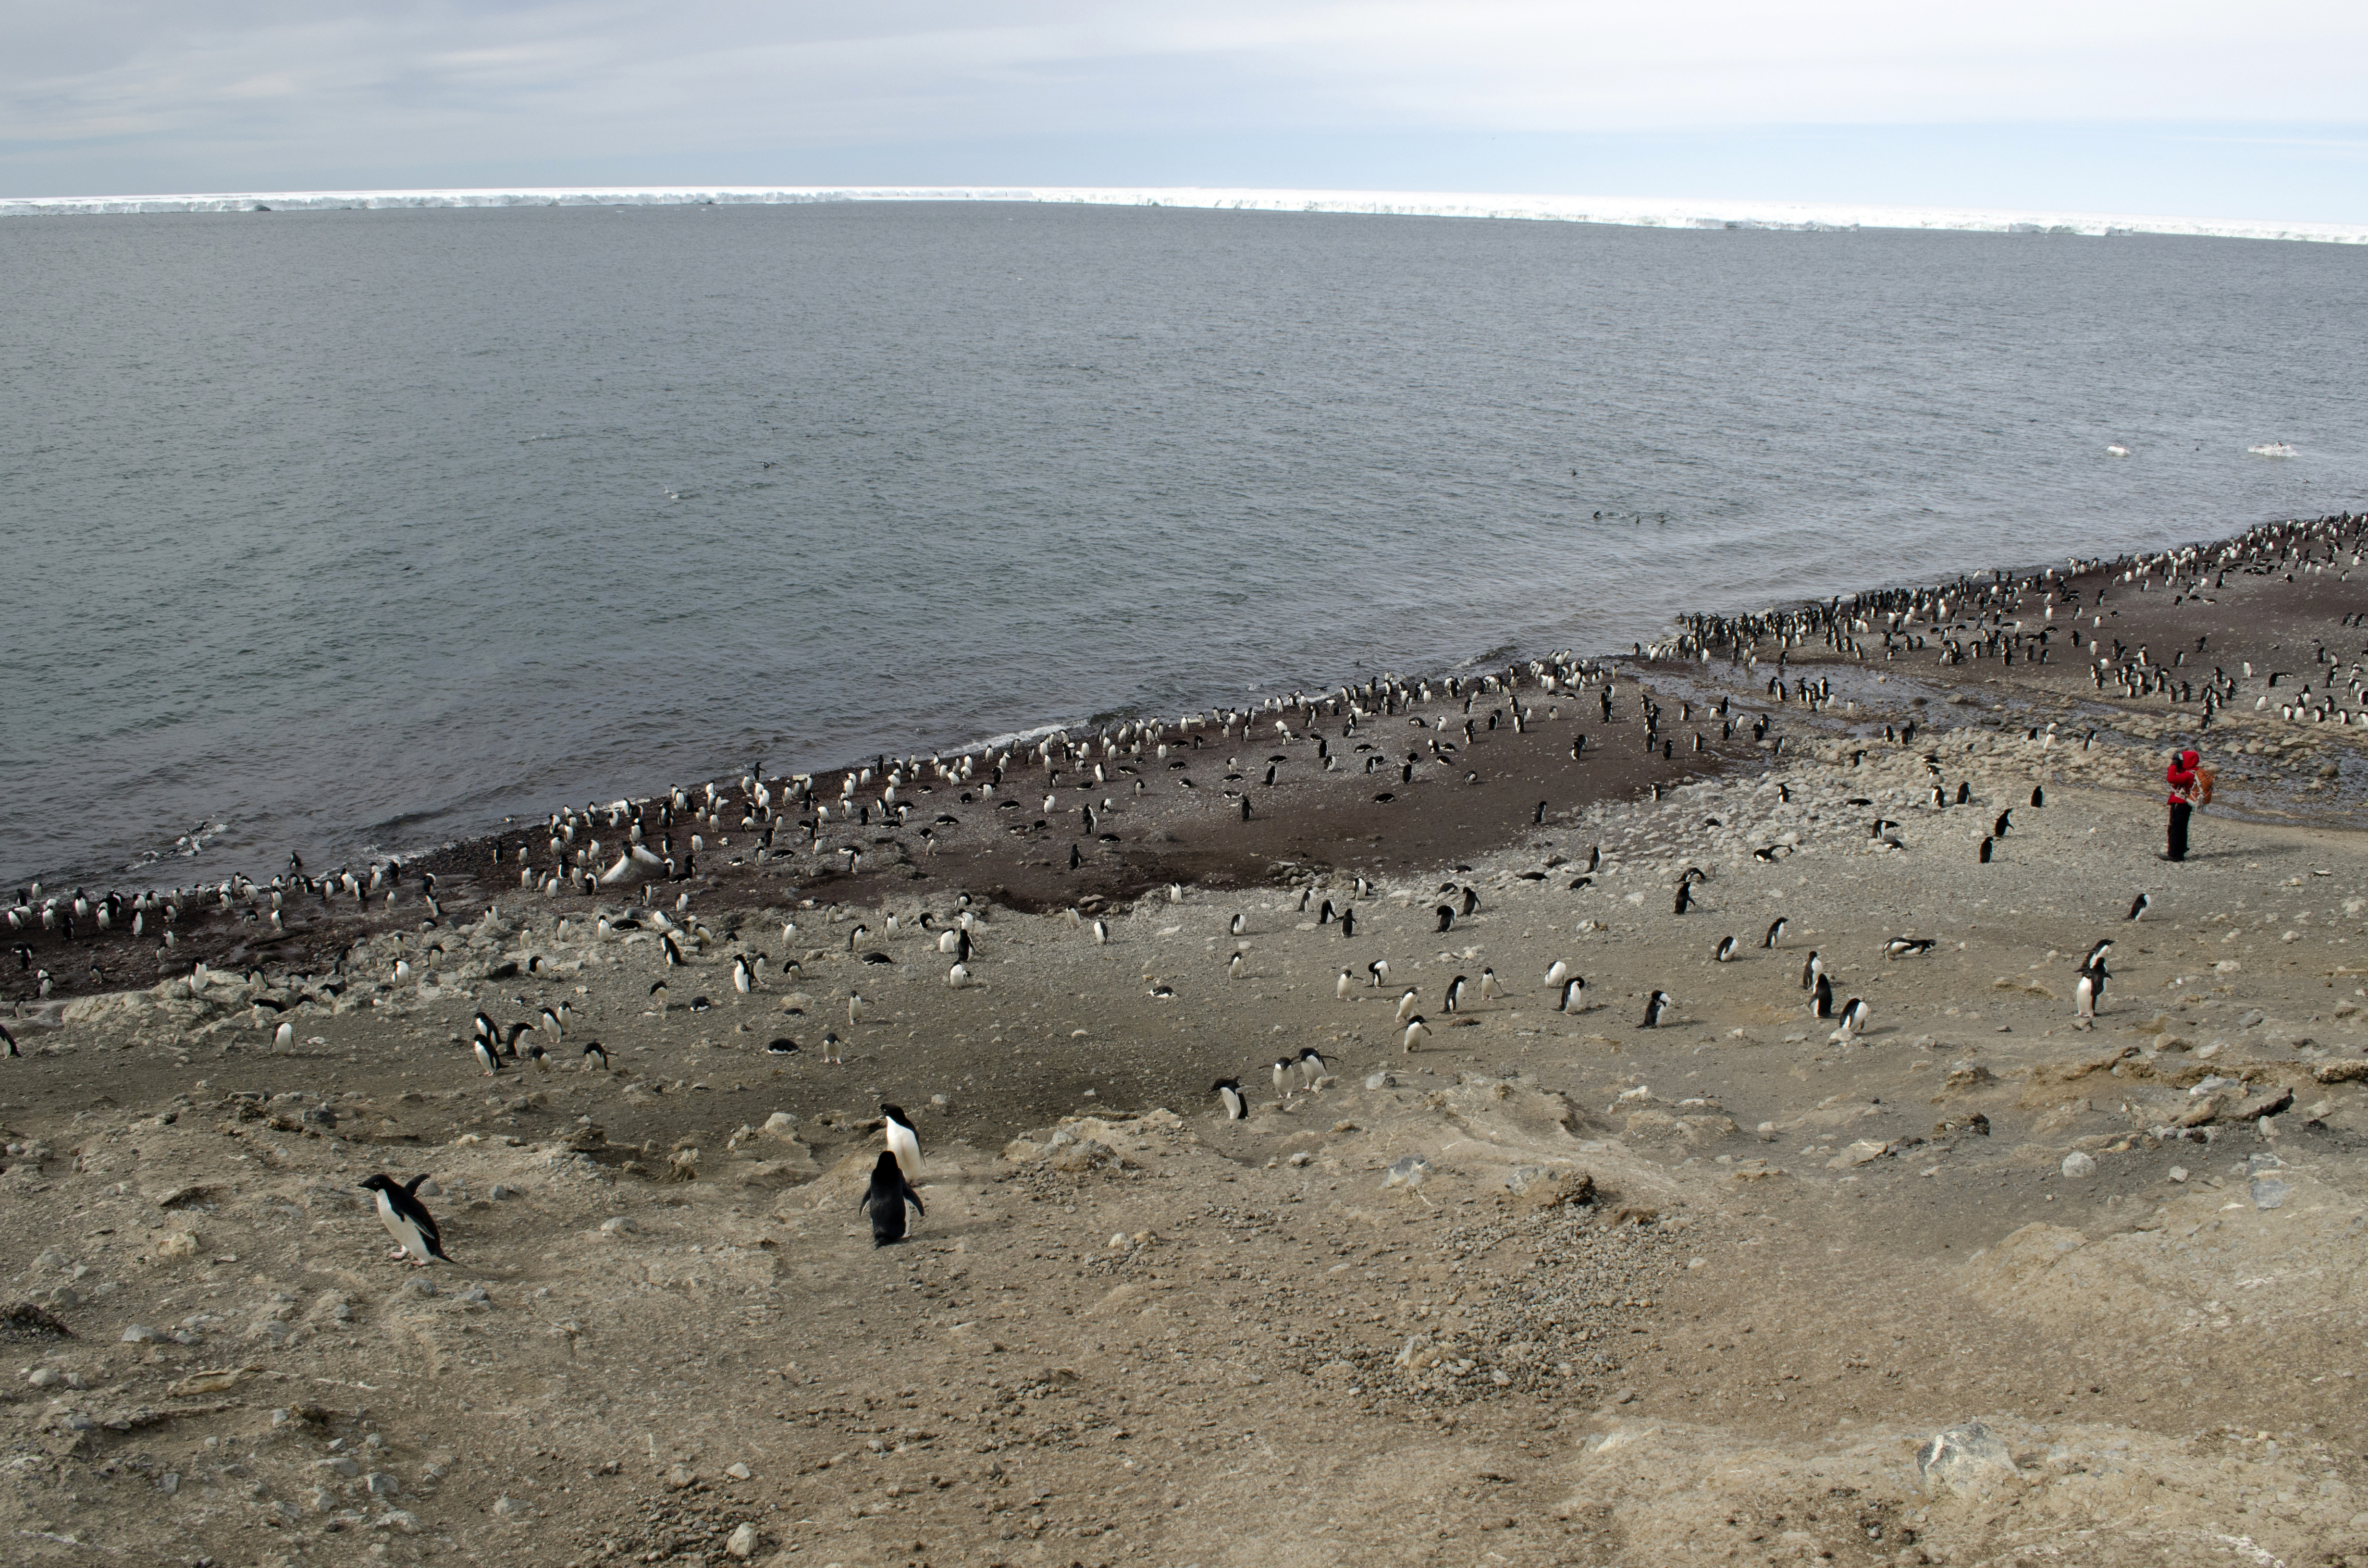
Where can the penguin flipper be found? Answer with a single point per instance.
(914, 1198)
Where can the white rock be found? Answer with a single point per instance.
(2077, 1165)
(742, 1542)
(509, 1508)
(618, 1226)
(1965, 1459)
(738, 1469)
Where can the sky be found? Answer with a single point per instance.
(2168, 107)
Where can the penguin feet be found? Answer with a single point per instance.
(398, 1255)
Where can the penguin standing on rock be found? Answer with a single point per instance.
(407, 1220)
(885, 1198)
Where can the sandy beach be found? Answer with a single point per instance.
(1978, 1280)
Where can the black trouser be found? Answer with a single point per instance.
(2179, 812)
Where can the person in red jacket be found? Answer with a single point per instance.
(2183, 788)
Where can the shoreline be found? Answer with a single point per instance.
(1310, 823)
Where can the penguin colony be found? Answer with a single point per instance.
(658, 840)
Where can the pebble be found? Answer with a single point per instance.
(2179, 1173)
(1380, 1081)
(742, 1543)
(2076, 1165)
(1408, 1170)
(738, 1469)
(618, 1226)
(680, 1476)
(141, 1334)
(497, 1192)
(509, 1508)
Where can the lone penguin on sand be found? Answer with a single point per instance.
(407, 1220)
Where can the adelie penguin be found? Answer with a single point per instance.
(2088, 991)
(1725, 953)
(1775, 934)
(1821, 1003)
(407, 1220)
(1908, 946)
(1655, 1008)
(1416, 1031)
(2005, 821)
(885, 1198)
(1311, 1066)
(1811, 968)
(595, 1056)
(1229, 1099)
(1854, 1016)
(2097, 953)
(1989, 845)
(1407, 1004)
(1685, 898)
(904, 1140)
(2138, 906)
(1574, 994)
(1489, 989)
(1446, 914)
(1454, 1002)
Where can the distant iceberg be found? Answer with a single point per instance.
(1664, 212)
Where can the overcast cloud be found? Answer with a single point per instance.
(124, 94)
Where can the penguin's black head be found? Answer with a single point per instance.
(380, 1183)
(895, 1113)
(886, 1165)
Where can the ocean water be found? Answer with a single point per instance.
(357, 530)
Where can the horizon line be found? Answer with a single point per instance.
(1680, 212)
